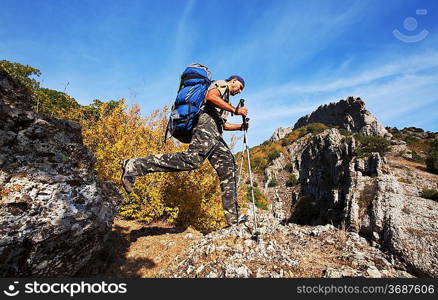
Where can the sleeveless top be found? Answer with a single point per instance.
(220, 115)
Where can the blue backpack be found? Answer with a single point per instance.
(193, 87)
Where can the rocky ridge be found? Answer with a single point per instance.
(280, 133)
(349, 114)
(371, 195)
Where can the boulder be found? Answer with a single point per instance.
(54, 212)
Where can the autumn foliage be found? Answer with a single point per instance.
(184, 198)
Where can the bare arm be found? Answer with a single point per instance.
(229, 126)
(214, 96)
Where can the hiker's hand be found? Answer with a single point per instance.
(242, 111)
(244, 126)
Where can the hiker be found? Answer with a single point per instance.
(206, 143)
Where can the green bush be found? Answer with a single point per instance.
(55, 103)
(272, 182)
(259, 198)
(430, 194)
(273, 155)
(411, 140)
(369, 144)
(416, 157)
(344, 132)
(285, 142)
(347, 139)
(432, 162)
(288, 167)
(397, 135)
(23, 73)
(259, 164)
(315, 128)
(292, 180)
(432, 157)
(266, 143)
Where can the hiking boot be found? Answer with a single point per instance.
(127, 180)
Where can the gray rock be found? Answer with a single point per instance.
(280, 133)
(367, 194)
(349, 114)
(283, 251)
(54, 212)
(373, 272)
(364, 195)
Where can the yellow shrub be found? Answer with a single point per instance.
(183, 198)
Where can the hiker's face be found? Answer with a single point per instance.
(235, 87)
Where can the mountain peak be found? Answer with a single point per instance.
(349, 114)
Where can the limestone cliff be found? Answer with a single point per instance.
(377, 195)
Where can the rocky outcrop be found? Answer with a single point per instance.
(280, 133)
(365, 195)
(413, 135)
(283, 251)
(349, 114)
(54, 212)
(376, 196)
(412, 132)
(406, 225)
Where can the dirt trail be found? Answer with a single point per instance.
(134, 249)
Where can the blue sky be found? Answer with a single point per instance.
(294, 55)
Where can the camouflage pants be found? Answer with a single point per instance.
(207, 143)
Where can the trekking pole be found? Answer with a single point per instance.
(256, 233)
(243, 151)
(241, 165)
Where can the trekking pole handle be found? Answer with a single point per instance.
(242, 104)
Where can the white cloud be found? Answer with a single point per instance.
(404, 65)
(182, 38)
(391, 91)
(288, 33)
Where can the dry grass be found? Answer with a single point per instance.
(404, 180)
(134, 249)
